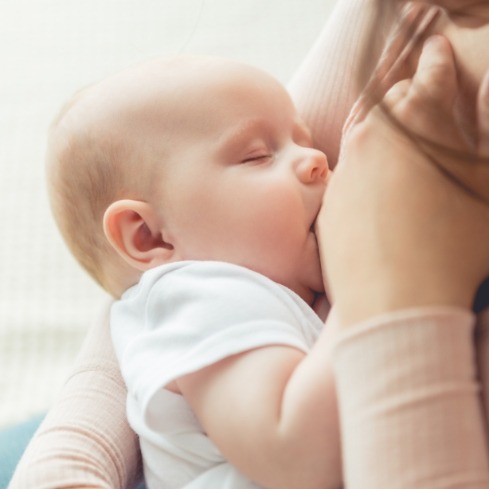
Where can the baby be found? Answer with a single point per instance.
(189, 189)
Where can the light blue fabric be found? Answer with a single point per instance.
(13, 441)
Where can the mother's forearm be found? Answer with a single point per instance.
(411, 416)
(85, 440)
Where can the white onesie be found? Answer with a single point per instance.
(179, 319)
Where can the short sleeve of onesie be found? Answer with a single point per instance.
(185, 316)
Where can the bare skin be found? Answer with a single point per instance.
(408, 154)
(402, 205)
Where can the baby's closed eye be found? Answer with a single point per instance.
(257, 158)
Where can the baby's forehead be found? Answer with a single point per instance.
(163, 96)
(156, 81)
(175, 78)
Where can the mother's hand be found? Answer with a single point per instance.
(396, 230)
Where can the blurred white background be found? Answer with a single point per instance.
(48, 49)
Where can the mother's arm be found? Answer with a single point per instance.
(85, 440)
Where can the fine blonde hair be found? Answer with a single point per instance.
(85, 174)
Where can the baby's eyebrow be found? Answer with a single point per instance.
(241, 133)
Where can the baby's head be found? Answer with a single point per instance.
(187, 159)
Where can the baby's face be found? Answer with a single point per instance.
(236, 178)
(243, 184)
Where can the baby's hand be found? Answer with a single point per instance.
(397, 229)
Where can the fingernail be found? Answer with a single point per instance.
(434, 42)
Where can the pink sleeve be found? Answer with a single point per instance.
(329, 81)
(409, 398)
(325, 86)
(85, 439)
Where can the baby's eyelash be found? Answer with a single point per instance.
(251, 159)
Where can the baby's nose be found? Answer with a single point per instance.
(313, 167)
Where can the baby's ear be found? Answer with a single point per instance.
(132, 228)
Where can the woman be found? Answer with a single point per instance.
(85, 441)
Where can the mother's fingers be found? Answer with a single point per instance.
(435, 79)
(428, 110)
(397, 93)
(396, 62)
(424, 106)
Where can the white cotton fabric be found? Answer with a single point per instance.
(179, 319)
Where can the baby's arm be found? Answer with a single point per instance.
(272, 412)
